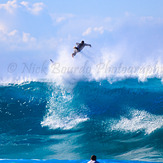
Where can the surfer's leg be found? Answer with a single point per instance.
(75, 48)
(73, 54)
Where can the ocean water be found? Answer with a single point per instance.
(103, 101)
(51, 122)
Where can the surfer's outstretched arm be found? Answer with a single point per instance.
(87, 45)
(77, 43)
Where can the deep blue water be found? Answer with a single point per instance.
(120, 121)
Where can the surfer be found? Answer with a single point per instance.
(93, 159)
(79, 47)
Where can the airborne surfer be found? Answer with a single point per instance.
(79, 47)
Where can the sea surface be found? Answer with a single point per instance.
(42, 121)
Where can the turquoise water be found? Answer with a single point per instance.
(120, 121)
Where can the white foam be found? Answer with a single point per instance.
(139, 120)
(21, 80)
(68, 69)
(54, 121)
(106, 62)
(60, 113)
(97, 63)
(113, 64)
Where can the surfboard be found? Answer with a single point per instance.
(51, 61)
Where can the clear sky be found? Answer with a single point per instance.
(104, 8)
(40, 28)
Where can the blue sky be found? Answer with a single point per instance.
(62, 21)
(113, 8)
(37, 30)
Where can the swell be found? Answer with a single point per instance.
(123, 119)
(35, 99)
(22, 106)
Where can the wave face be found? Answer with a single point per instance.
(44, 120)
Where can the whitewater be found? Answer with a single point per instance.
(104, 101)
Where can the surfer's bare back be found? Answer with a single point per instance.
(79, 47)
